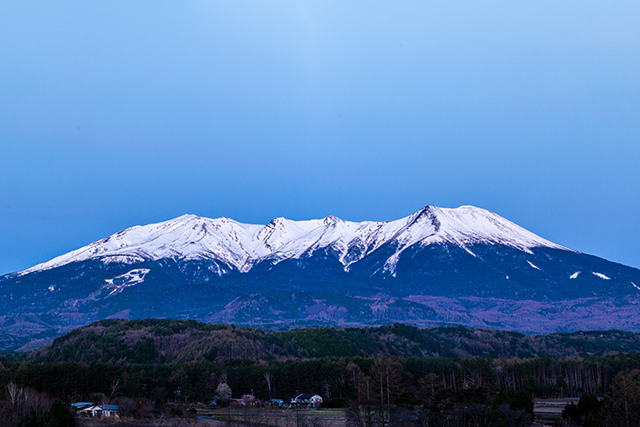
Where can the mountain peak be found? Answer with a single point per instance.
(243, 245)
(331, 219)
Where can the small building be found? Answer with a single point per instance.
(91, 410)
(275, 402)
(305, 400)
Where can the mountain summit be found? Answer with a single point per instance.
(241, 246)
(465, 266)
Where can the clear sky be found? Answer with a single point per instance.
(120, 113)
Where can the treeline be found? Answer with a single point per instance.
(123, 342)
(388, 380)
(24, 407)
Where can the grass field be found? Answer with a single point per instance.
(236, 417)
(276, 417)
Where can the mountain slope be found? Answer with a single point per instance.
(464, 266)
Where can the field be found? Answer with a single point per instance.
(206, 417)
(547, 412)
(277, 417)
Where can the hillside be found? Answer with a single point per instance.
(124, 342)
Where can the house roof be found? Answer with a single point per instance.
(90, 407)
(77, 404)
(303, 396)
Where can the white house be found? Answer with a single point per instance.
(306, 400)
(110, 411)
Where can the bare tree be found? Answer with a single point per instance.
(327, 390)
(25, 402)
(364, 416)
(622, 407)
(359, 381)
(14, 393)
(223, 378)
(429, 384)
(114, 388)
(387, 380)
(37, 405)
(269, 379)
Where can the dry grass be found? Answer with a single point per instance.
(236, 417)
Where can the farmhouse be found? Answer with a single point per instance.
(92, 410)
(305, 400)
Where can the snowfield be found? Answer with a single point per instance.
(241, 246)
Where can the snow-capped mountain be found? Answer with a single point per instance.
(464, 266)
(242, 246)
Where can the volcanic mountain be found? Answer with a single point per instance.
(437, 266)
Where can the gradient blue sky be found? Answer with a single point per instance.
(118, 113)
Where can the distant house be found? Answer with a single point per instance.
(305, 400)
(275, 402)
(91, 410)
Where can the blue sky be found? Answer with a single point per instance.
(119, 113)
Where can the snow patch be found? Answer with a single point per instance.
(131, 278)
(635, 286)
(602, 276)
(534, 266)
(574, 275)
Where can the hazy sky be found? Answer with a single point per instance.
(119, 113)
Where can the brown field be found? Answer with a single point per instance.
(277, 417)
(236, 417)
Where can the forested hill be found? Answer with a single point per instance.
(124, 342)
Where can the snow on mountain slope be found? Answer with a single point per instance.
(241, 246)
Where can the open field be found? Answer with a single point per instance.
(553, 406)
(546, 410)
(236, 417)
(276, 417)
(549, 410)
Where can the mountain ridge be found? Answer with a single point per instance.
(436, 267)
(247, 244)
